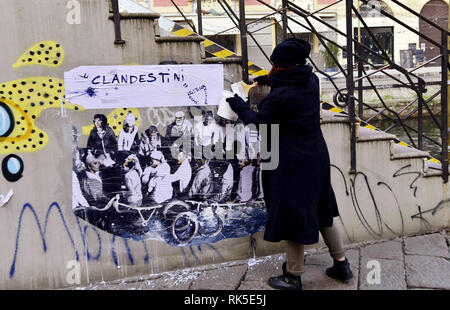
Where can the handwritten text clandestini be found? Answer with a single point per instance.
(164, 77)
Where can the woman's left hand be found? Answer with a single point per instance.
(237, 104)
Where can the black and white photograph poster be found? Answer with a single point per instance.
(152, 159)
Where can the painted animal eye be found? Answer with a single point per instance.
(7, 120)
(12, 168)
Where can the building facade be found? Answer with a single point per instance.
(400, 43)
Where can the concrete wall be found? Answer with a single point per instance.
(43, 243)
(382, 199)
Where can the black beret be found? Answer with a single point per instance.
(290, 52)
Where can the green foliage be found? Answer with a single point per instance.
(329, 61)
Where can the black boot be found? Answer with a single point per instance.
(287, 281)
(340, 271)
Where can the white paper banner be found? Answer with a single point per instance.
(101, 87)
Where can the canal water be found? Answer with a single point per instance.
(430, 129)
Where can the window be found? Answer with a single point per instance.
(385, 38)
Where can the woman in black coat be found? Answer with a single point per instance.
(299, 197)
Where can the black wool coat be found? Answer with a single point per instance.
(98, 145)
(298, 193)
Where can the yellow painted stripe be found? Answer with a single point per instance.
(182, 32)
(258, 73)
(208, 43)
(223, 54)
(370, 127)
(403, 143)
(337, 110)
(434, 160)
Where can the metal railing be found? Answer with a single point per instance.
(355, 69)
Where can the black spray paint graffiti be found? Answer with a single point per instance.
(398, 208)
(375, 210)
(418, 175)
(378, 231)
(374, 207)
(439, 207)
(94, 255)
(419, 215)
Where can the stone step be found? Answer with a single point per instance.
(137, 16)
(164, 39)
(398, 151)
(405, 152)
(432, 169)
(366, 135)
(333, 117)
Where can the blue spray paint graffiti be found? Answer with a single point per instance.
(41, 231)
(129, 253)
(83, 232)
(99, 251)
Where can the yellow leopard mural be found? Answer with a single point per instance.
(45, 53)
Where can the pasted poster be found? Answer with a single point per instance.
(153, 160)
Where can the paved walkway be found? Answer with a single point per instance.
(416, 262)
